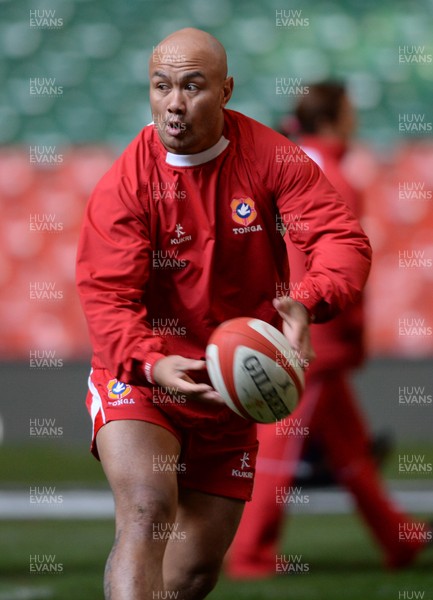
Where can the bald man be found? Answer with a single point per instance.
(181, 234)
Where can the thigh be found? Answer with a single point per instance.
(207, 525)
(140, 462)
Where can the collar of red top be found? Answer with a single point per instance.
(192, 160)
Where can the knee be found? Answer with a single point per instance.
(198, 580)
(143, 510)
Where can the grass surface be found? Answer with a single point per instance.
(45, 463)
(342, 561)
(342, 564)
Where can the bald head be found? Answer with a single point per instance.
(190, 44)
(189, 89)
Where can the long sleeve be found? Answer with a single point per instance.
(113, 269)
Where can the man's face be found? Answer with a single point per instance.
(187, 98)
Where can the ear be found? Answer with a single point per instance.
(227, 91)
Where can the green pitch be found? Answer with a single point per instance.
(340, 561)
(342, 564)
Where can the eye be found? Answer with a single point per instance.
(162, 86)
(191, 87)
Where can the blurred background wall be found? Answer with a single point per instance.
(74, 92)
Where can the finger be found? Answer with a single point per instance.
(197, 391)
(185, 365)
(294, 333)
(282, 304)
(184, 377)
(307, 351)
(189, 387)
(287, 310)
(189, 364)
(300, 342)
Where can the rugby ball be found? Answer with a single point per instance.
(253, 367)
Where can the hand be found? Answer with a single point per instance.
(170, 372)
(295, 327)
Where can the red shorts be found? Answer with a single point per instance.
(218, 448)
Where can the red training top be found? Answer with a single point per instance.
(173, 245)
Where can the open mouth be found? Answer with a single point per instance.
(175, 127)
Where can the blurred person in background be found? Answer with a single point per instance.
(329, 416)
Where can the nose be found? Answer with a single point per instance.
(176, 104)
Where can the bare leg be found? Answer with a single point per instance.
(192, 566)
(146, 503)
